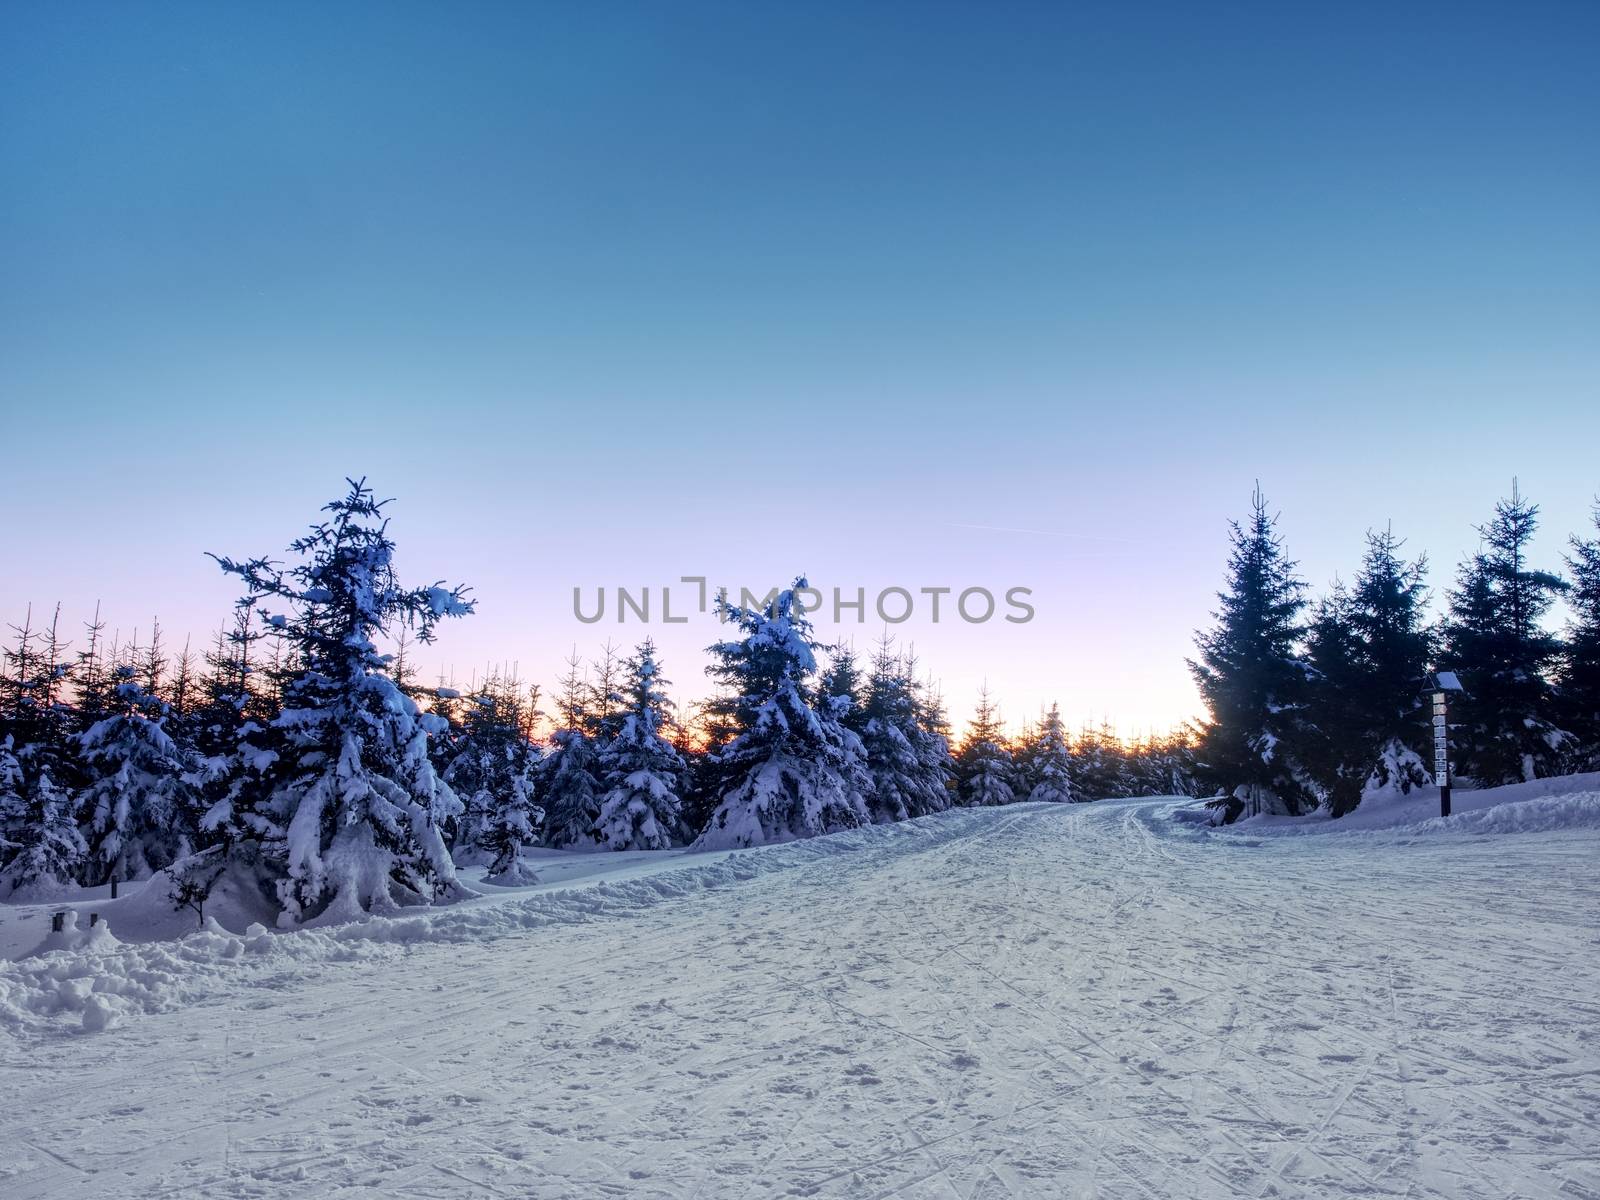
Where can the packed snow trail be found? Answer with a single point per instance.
(1045, 1001)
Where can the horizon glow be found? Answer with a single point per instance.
(900, 296)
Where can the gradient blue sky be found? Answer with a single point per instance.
(608, 294)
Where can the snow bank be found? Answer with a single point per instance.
(1577, 810)
(1540, 806)
(93, 982)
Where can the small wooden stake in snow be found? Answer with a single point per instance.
(114, 882)
(58, 922)
(94, 919)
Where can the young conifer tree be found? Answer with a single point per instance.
(1580, 666)
(92, 674)
(1394, 647)
(41, 848)
(641, 808)
(1504, 729)
(1335, 746)
(348, 814)
(931, 740)
(842, 685)
(1252, 677)
(985, 771)
(138, 802)
(569, 777)
(494, 773)
(1051, 761)
(792, 770)
(909, 764)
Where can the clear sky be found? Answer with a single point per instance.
(895, 295)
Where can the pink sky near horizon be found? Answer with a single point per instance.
(949, 295)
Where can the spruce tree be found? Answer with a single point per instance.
(442, 719)
(931, 740)
(1097, 762)
(494, 773)
(1023, 749)
(138, 803)
(985, 774)
(1113, 760)
(908, 763)
(569, 774)
(841, 683)
(13, 802)
(1251, 677)
(182, 692)
(606, 704)
(1394, 648)
(642, 771)
(227, 713)
(41, 848)
(706, 777)
(792, 770)
(1336, 744)
(1504, 729)
(348, 814)
(150, 667)
(1050, 763)
(403, 668)
(92, 676)
(1160, 765)
(1580, 664)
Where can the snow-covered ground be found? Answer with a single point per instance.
(1094, 1000)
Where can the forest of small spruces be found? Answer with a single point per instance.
(298, 772)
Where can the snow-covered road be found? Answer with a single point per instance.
(1052, 1002)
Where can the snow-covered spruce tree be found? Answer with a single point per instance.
(841, 683)
(569, 775)
(642, 771)
(139, 802)
(227, 715)
(1504, 729)
(494, 773)
(1580, 666)
(12, 802)
(606, 705)
(1393, 649)
(1334, 743)
(931, 739)
(1251, 677)
(792, 769)
(1100, 763)
(1169, 768)
(347, 815)
(1023, 747)
(985, 773)
(1155, 766)
(908, 764)
(41, 848)
(1050, 763)
(443, 718)
(182, 692)
(92, 674)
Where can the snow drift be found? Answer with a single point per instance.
(93, 982)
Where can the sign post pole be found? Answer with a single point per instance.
(1441, 749)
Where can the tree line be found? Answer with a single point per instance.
(1321, 704)
(307, 773)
